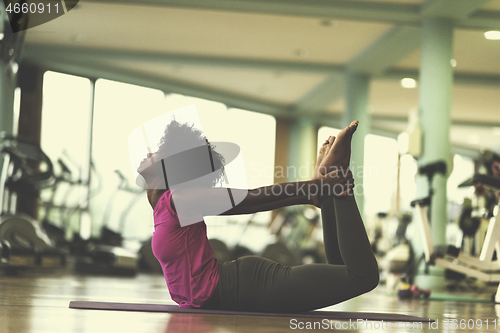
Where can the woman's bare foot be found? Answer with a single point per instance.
(323, 151)
(339, 154)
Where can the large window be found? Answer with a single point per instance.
(120, 108)
(65, 132)
(66, 116)
(380, 174)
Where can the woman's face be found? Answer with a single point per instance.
(150, 171)
(153, 174)
(147, 162)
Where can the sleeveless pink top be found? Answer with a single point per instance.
(185, 255)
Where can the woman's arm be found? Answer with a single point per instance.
(216, 201)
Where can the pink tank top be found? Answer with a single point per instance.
(185, 255)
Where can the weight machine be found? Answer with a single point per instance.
(486, 267)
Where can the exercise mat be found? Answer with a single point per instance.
(334, 315)
(449, 297)
(459, 298)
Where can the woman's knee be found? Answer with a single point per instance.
(368, 280)
(372, 280)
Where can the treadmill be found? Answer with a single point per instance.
(26, 169)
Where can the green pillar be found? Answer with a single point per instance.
(7, 85)
(357, 92)
(302, 150)
(436, 81)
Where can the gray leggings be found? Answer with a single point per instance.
(258, 284)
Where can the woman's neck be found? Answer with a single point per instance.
(154, 195)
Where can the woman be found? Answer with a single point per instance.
(197, 280)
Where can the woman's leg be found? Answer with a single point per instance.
(352, 269)
(264, 285)
(330, 239)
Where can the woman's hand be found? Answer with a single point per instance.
(337, 183)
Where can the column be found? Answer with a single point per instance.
(7, 81)
(436, 81)
(357, 93)
(281, 151)
(7, 87)
(302, 149)
(30, 79)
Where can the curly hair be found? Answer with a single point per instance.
(177, 136)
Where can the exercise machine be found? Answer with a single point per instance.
(26, 169)
(224, 252)
(57, 229)
(486, 267)
(106, 254)
(296, 230)
(275, 250)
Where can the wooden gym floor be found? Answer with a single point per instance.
(38, 302)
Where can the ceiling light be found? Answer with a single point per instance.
(453, 63)
(408, 83)
(492, 35)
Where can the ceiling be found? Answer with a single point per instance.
(283, 57)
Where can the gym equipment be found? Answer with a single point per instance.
(469, 223)
(106, 255)
(294, 242)
(108, 235)
(404, 288)
(417, 292)
(224, 253)
(398, 253)
(4, 254)
(394, 250)
(26, 169)
(486, 267)
(333, 315)
(297, 243)
(282, 254)
(239, 250)
(57, 230)
(407, 291)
